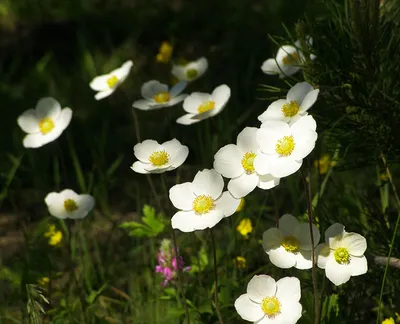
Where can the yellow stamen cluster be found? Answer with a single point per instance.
(248, 162)
(203, 204)
(290, 109)
(46, 125)
(271, 306)
(112, 81)
(161, 97)
(342, 256)
(290, 244)
(159, 158)
(206, 106)
(164, 53)
(285, 146)
(191, 73)
(70, 205)
(291, 59)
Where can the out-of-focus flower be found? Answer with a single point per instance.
(324, 163)
(45, 123)
(241, 205)
(68, 204)
(245, 227)
(240, 262)
(299, 99)
(191, 71)
(168, 263)
(201, 203)
(106, 84)
(201, 105)
(270, 301)
(165, 52)
(157, 95)
(342, 254)
(158, 158)
(54, 235)
(383, 177)
(388, 321)
(44, 281)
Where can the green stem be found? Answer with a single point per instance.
(221, 321)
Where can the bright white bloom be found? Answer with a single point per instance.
(191, 71)
(236, 162)
(158, 158)
(299, 99)
(290, 244)
(201, 105)
(68, 204)
(284, 146)
(106, 84)
(202, 203)
(269, 302)
(157, 95)
(45, 123)
(342, 254)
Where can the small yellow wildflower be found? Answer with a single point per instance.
(44, 281)
(388, 321)
(165, 52)
(241, 205)
(240, 262)
(324, 163)
(245, 227)
(54, 236)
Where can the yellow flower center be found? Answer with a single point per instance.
(70, 205)
(206, 106)
(191, 73)
(203, 204)
(291, 59)
(112, 81)
(271, 306)
(285, 146)
(248, 162)
(159, 158)
(290, 109)
(161, 97)
(342, 256)
(46, 125)
(290, 244)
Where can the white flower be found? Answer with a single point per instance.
(45, 123)
(106, 84)
(268, 301)
(284, 146)
(342, 254)
(299, 99)
(191, 71)
(202, 203)
(157, 95)
(158, 158)
(68, 204)
(203, 105)
(290, 244)
(236, 162)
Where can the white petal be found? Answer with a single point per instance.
(187, 120)
(188, 221)
(220, 96)
(288, 289)
(274, 112)
(140, 167)
(227, 161)
(304, 123)
(177, 88)
(334, 230)
(304, 143)
(243, 185)
(182, 196)
(208, 182)
(48, 108)
(178, 152)
(158, 169)
(201, 65)
(288, 224)
(123, 71)
(302, 232)
(337, 273)
(303, 260)
(260, 287)
(38, 139)
(227, 203)
(55, 204)
(143, 150)
(85, 205)
(355, 243)
(270, 67)
(282, 258)
(150, 88)
(309, 100)
(267, 181)
(272, 239)
(179, 72)
(194, 100)
(261, 164)
(99, 83)
(323, 254)
(248, 309)
(104, 94)
(175, 100)
(290, 312)
(28, 121)
(69, 194)
(281, 167)
(269, 133)
(298, 92)
(358, 265)
(142, 104)
(63, 119)
(247, 139)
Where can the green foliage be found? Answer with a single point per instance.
(153, 224)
